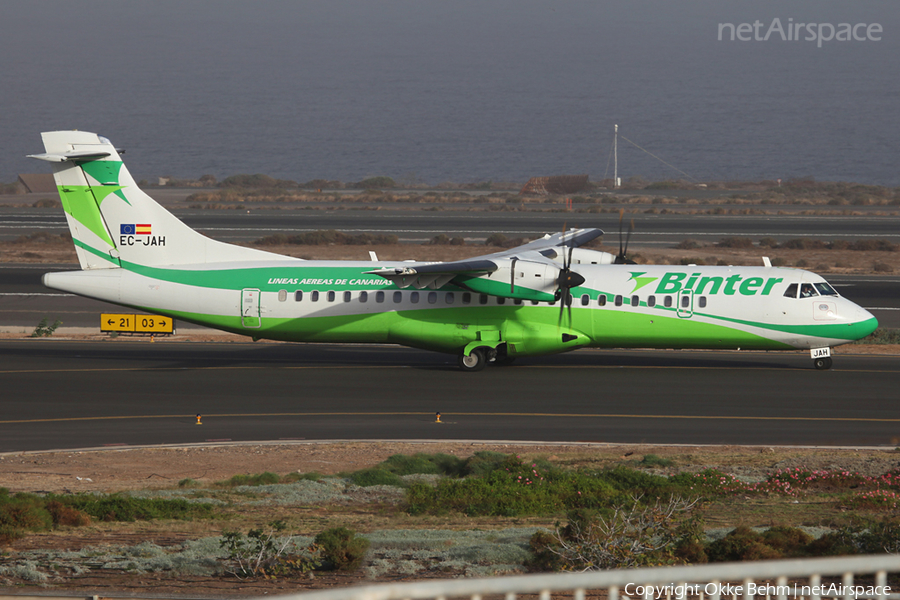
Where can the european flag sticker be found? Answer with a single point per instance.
(126, 229)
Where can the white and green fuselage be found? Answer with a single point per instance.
(135, 253)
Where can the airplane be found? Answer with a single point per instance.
(547, 296)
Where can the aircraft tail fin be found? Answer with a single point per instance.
(113, 222)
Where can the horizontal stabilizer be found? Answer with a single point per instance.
(73, 156)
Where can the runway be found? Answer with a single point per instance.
(68, 394)
(475, 226)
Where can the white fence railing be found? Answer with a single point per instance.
(778, 579)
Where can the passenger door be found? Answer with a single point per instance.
(250, 308)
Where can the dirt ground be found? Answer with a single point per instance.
(109, 470)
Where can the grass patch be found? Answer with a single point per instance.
(20, 513)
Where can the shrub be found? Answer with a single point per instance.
(688, 245)
(256, 181)
(496, 239)
(45, 330)
(123, 508)
(768, 242)
(66, 515)
(430, 464)
(341, 549)
(629, 535)
(735, 242)
(258, 479)
(264, 552)
(741, 544)
(882, 267)
(374, 183)
(440, 240)
(652, 460)
(482, 463)
(375, 476)
(790, 541)
(24, 511)
(327, 237)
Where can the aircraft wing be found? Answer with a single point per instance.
(574, 238)
(436, 275)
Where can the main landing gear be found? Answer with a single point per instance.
(479, 358)
(475, 361)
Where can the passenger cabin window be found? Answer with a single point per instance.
(482, 298)
(685, 301)
(702, 302)
(449, 298)
(314, 296)
(331, 296)
(585, 299)
(791, 291)
(282, 295)
(298, 296)
(414, 297)
(467, 298)
(651, 301)
(398, 297)
(601, 299)
(517, 302)
(501, 300)
(668, 302)
(807, 290)
(618, 300)
(635, 301)
(379, 296)
(347, 296)
(432, 297)
(364, 296)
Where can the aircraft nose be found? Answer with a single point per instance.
(863, 322)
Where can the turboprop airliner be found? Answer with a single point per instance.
(544, 297)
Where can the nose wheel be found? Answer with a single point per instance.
(822, 364)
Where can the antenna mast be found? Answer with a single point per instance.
(616, 158)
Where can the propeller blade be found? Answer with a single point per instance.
(628, 237)
(512, 276)
(621, 217)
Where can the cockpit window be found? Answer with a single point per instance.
(791, 291)
(825, 289)
(807, 290)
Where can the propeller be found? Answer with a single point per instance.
(567, 280)
(622, 256)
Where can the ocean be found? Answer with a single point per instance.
(466, 91)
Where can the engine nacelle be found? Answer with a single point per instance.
(582, 256)
(515, 278)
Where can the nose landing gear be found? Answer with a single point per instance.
(821, 358)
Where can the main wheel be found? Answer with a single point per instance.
(475, 361)
(823, 364)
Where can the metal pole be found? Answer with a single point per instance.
(616, 158)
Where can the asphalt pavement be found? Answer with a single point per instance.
(71, 394)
